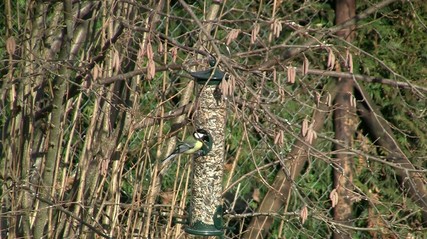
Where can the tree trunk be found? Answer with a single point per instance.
(344, 127)
(54, 148)
(280, 191)
(380, 133)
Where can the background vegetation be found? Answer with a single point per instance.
(96, 93)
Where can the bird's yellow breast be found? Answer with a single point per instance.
(198, 145)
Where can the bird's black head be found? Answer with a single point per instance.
(201, 134)
(206, 138)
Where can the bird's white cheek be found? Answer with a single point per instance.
(198, 135)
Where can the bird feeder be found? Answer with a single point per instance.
(205, 212)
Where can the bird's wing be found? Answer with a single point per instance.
(180, 148)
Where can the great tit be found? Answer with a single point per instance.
(192, 145)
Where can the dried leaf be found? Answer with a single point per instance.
(309, 136)
(228, 167)
(276, 139)
(10, 45)
(254, 33)
(150, 53)
(224, 88)
(304, 128)
(347, 54)
(304, 214)
(151, 69)
(104, 167)
(291, 74)
(167, 197)
(174, 53)
(318, 97)
(232, 35)
(281, 94)
(276, 27)
(329, 99)
(142, 51)
(231, 84)
(160, 48)
(96, 72)
(331, 59)
(274, 75)
(256, 195)
(350, 63)
(282, 137)
(116, 61)
(277, 3)
(334, 197)
(256, 118)
(305, 65)
(353, 102)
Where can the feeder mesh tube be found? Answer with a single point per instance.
(208, 170)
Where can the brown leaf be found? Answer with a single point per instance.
(96, 72)
(274, 75)
(224, 88)
(347, 53)
(331, 59)
(10, 45)
(276, 139)
(318, 98)
(282, 137)
(256, 195)
(116, 61)
(304, 127)
(228, 167)
(167, 197)
(334, 197)
(104, 167)
(291, 74)
(232, 35)
(350, 63)
(353, 101)
(150, 53)
(160, 48)
(305, 65)
(304, 214)
(329, 99)
(151, 69)
(276, 27)
(254, 33)
(142, 51)
(277, 3)
(232, 84)
(309, 136)
(174, 53)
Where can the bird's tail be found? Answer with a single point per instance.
(168, 158)
(166, 163)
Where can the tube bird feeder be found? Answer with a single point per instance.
(205, 214)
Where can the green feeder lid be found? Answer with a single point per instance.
(210, 76)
